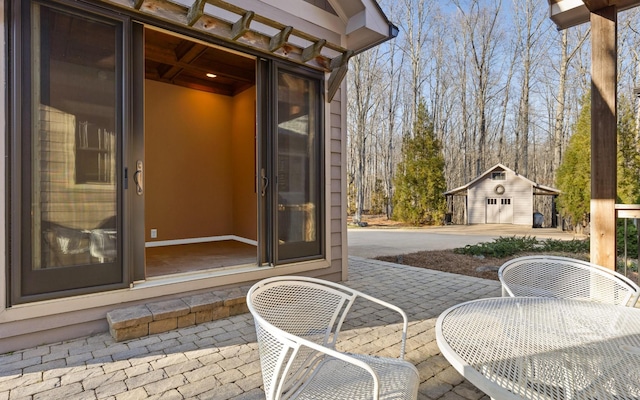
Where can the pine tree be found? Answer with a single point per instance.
(574, 174)
(420, 182)
(628, 155)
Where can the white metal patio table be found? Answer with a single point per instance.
(544, 348)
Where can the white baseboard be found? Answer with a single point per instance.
(175, 242)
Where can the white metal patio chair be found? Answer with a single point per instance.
(568, 278)
(298, 321)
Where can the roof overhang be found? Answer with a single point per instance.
(270, 27)
(568, 13)
(366, 23)
(545, 190)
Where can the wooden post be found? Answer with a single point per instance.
(604, 50)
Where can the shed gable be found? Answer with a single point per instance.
(500, 190)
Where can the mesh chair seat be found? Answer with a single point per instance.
(103, 244)
(298, 321)
(64, 239)
(562, 277)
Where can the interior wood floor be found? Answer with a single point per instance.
(199, 256)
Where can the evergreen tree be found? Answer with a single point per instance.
(574, 174)
(628, 155)
(420, 182)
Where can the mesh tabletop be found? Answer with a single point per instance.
(542, 348)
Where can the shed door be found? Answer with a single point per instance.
(499, 211)
(493, 211)
(506, 211)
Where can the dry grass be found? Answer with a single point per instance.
(441, 260)
(448, 261)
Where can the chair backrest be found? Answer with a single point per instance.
(562, 277)
(290, 307)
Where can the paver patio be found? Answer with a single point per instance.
(219, 359)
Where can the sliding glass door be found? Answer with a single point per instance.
(67, 136)
(77, 208)
(298, 167)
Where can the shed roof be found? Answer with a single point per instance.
(541, 189)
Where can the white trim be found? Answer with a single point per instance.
(175, 242)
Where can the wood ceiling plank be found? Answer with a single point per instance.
(176, 60)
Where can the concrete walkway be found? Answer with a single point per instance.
(220, 360)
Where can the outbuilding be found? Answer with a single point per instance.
(500, 196)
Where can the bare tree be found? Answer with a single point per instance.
(559, 131)
(481, 31)
(491, 96)
(362, 80)
(529, 20)
(416, 36)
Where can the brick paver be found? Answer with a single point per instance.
(220, 360)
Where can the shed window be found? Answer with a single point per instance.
(498, 176)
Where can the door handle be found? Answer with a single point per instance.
(265, 182)
(138, 178)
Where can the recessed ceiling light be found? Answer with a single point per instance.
(210, 75)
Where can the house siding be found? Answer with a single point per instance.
(60, 319)
(337, 222)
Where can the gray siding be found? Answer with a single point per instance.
(337, 133)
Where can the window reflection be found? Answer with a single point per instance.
(73, 143)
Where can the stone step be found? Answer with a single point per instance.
(162, 316)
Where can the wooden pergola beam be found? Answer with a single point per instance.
(239, 32)
(241, 26)
(604, 51)
(195, 12)
(313, 51)
(195, 18)
(280, 39)
(339, 67)
(595, 5)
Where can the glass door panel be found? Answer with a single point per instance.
(70, 151)
(298, 168)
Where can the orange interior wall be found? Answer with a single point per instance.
(199, 177)
(245, 209)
